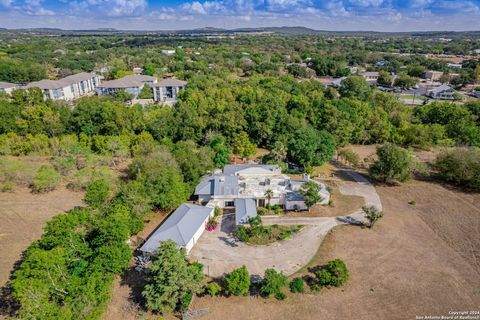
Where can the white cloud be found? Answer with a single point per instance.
(367, 3)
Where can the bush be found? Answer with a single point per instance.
(46, 179)
(7, 186)
(186, 300)
(297, 285)
(237, 282)
(241, 234)
(65, 165)
(213, 288)
(372, 214)
(335, 273)
(217, 212)
(393, 164)
(97, 193)
(460, 166)
(273, 283)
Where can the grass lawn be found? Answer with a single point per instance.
(264, 235)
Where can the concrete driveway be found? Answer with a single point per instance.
(220, 252)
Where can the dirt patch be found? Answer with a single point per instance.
(24, 214)
(401, 268)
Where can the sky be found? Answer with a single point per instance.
(335, 15)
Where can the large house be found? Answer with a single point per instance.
(251, 182)
(166, 91)
(68, 88)
(443, 92)
(131, 84)
(6, 87)
(371, 77)
(184, 226)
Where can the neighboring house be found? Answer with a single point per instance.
(433, 75)
(137, 71)
(371, 77)
(166, 91)
(68, 88)
(250, 181)
(131, 84)
(443, 92)
(454, 65)
(184, 226)
(7, 87)
(168, 52)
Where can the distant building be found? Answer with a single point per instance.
(337, 83)
(443, 92)
(381, 63)
(137, 71)
(454, 65)
(166, 91)
(433, 75)
(371, 77)
(168, 52)
(68, 88)
(7, 87)
(353, 70)
(131, 84)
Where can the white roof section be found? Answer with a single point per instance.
(180, 227)
(244, 210)
(235, 169)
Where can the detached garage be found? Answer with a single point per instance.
(184, 226)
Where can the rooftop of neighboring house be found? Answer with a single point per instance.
(442, 88)
(171, 82)
(61, 83)
(180, 226)
(370, 74)
(131, 81)
(7, 85)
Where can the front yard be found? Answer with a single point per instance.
(265, 235)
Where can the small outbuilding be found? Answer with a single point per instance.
(184, 226)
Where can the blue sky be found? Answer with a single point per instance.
(377, 15)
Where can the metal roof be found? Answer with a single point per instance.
(245, 208)
(128, 82)
(171, 82)
(62, 83)
(7, 85)
(218, 185)
(442, 88)
(180, 227)
(294, 196)
(231, 169)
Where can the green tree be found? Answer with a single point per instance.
(97, 193)
(384, 79)
(310, 191)
(237, 282)
(242, 145)
(170, 278)
(297, 285)
(309, 147)
(269, 195)
(335, 273)
(355, 87)
(222, 152)
(149, 69)
(393, 164)
(273, 283)
(146, 92)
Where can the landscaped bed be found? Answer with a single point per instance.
(257, 234)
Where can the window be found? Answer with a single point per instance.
(229, 203)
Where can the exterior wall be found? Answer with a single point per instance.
(160, 94)
(197, 234)
(290, 205)
(135, 91)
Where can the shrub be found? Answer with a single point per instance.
(335, 273)
(7, 186)
(217, 212)
(241, 234)
(186, 300)
(372, 214)
(211, 224)
(255, 221)
(297, 285)
(273, 283)
(349, 156)
(46, 179)
(237, 282)
(460, 166)
(412, 202)
(64, 165)
(97, 193)
(213, 288)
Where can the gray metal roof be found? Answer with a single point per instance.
(441, 88)
(245, 208)
(7, 85)
(128, 82)
(231, 169)
(62, 83)
(218, 185)
(180, 227)
(171, 82)
(294, 196)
